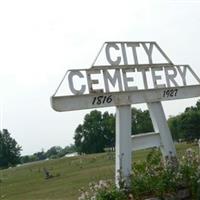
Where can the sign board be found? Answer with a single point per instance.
(124, 79)
(126, 73)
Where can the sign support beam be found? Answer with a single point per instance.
(123, 145)
(145, 140)
(160, 125)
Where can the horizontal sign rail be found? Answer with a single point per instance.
(138, 66)
(98, 100)
(145, 140)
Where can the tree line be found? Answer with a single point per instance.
(10, 152)
(97, 133)
(186, 126)
(52, 153)
(98, 130)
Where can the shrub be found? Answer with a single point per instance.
(103, 190)
(153, 178)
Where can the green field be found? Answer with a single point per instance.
(28, 182)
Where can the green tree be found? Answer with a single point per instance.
(187, 124)
(96, 132)
(190, 124)
(40, 155)
(54, 152)
(28, 158)
(108, 128)
(174, 123)
(69, 149)
(9, 150)
(79, 139)
(141, 121)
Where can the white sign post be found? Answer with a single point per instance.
(131, 73)
(160, 126)
(123, 145)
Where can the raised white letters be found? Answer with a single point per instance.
(156, 77)
(128, 79)
(148, 51)
(92, 82)
(126, 72)
(134, 51)
(108, 56)
(113, 80)
(71, 82)
(182, 73)
(144, 76)
(171, 76)
(123, 79)
(122, 49)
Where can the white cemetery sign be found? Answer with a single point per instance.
(125, 73)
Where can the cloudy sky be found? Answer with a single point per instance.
(41, 39)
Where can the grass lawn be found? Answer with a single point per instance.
(27, 182)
